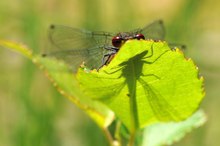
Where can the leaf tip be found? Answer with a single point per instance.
(19, 47)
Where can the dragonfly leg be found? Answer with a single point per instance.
(106, 58)
(111, 48)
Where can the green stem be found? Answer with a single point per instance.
(108, 136)
(110, 139)
(132, 138)
(117, 132)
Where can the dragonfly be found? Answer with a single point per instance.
(94, 49)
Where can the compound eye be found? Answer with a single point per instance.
(139, 36)
(117, 41)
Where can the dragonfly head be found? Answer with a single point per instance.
(121, 38)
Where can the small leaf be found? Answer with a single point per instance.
(168, 133)
(146, 82)
(66, 84)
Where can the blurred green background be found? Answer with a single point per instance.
(32, 112)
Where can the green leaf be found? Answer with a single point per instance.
(66, 84)
(146, 82)
(168, 133)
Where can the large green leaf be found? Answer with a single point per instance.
(66, 84)
(146, 82)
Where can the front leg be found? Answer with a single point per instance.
(111, 48)
(107, 58)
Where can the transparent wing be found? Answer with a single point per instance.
(155, 30)
(75, 46)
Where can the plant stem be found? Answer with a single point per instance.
(117, 131)
(132, 138)
(108, 136)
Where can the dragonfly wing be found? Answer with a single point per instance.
(155, 30)
(74, 58)
(76, 46)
